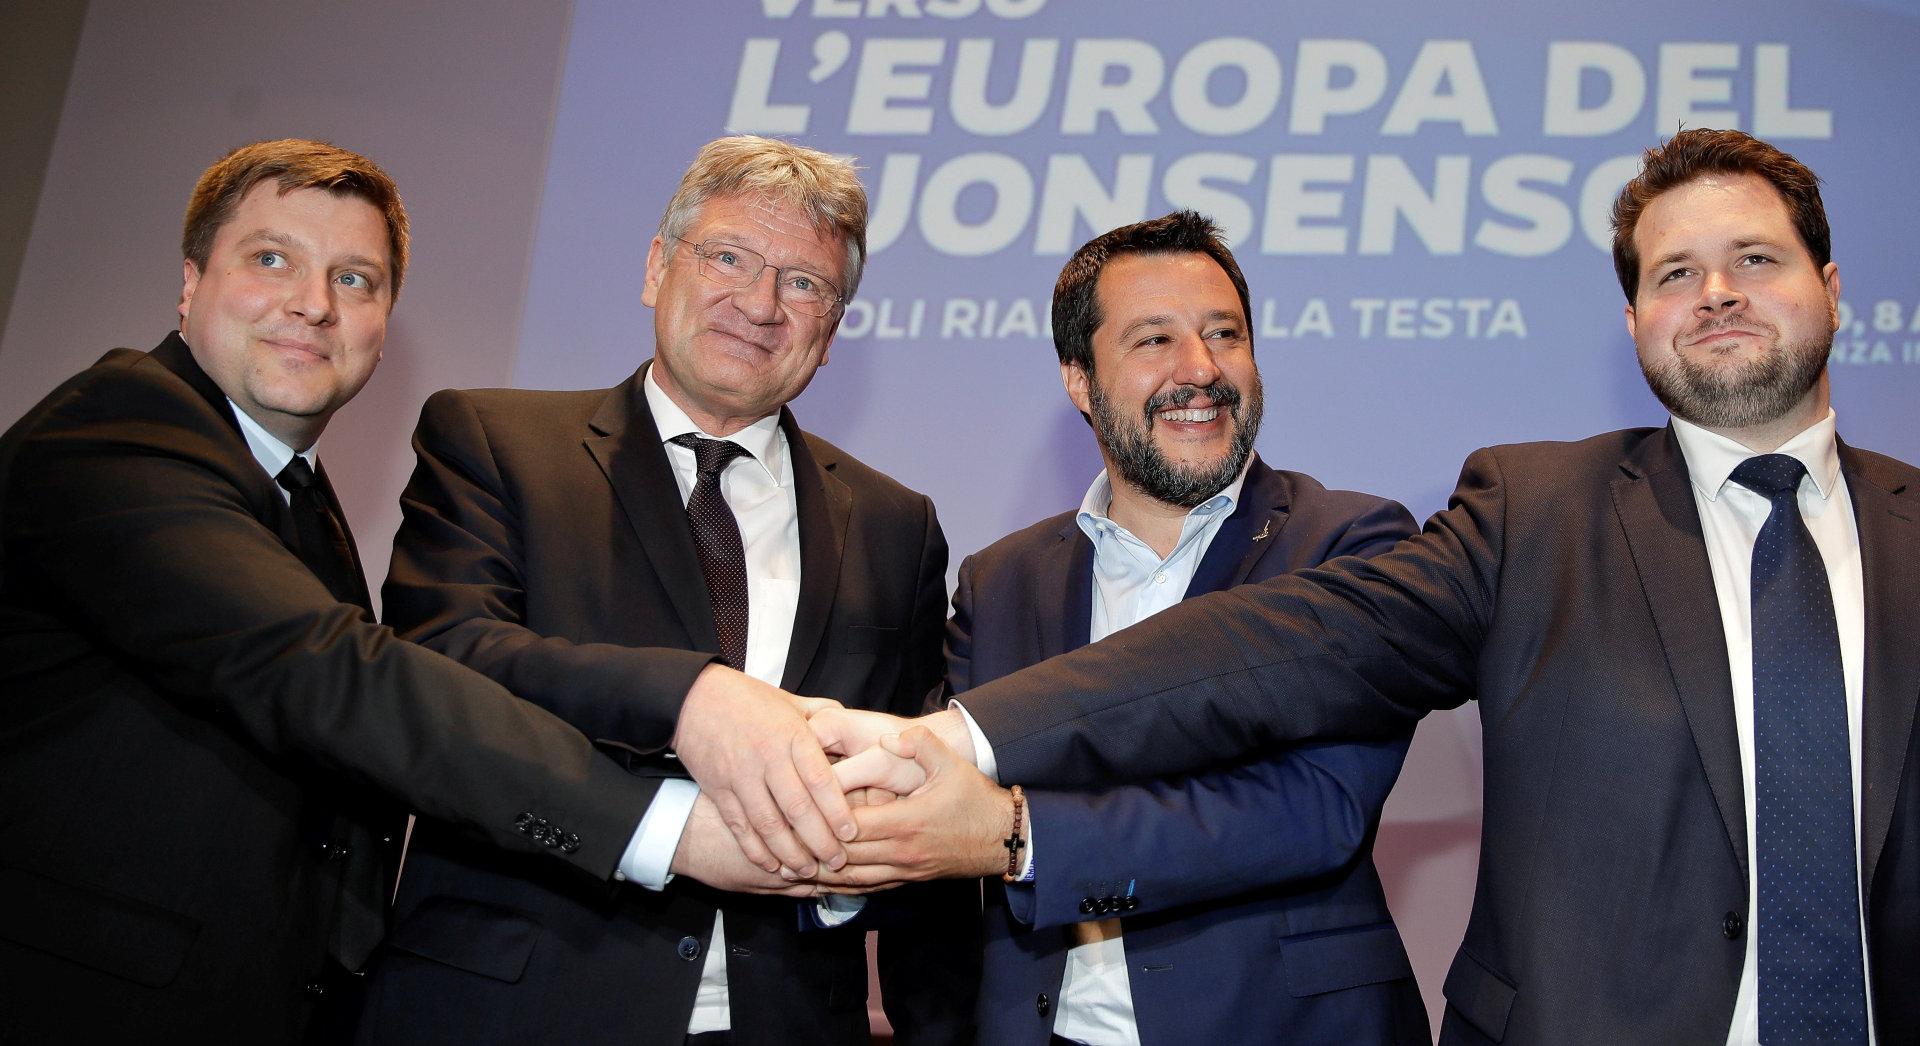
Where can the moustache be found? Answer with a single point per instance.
(1707, 328)
(1224, 394)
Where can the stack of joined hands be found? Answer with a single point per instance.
(800, 796)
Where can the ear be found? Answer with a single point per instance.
(1630, 322)
(656, 271)
(1831, 275)
(189, 281)
(1076, 379)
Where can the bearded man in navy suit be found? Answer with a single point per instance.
(1238, 904)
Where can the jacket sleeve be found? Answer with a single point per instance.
(1282, 821)
(1357, 648)
(456, 587)
(140, 517)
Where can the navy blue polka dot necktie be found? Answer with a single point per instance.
(716, 536)
(1812, 988)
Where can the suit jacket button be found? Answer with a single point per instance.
(1043, 1005)
(1732, 926)
(1087, 905)
(689, 948)
(315, 989)
(1130, 904)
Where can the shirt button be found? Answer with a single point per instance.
(689, 948)
(1160, 578)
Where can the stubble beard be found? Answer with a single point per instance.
(1138, 460)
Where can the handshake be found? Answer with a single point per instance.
(802, 797)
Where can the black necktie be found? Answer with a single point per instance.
(716, 535)
(322, 538)
(341, 826)
(1811, 985)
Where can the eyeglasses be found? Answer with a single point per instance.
(735, 266)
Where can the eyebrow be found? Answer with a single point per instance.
(1735, 245)
(1163, 320)
(285, 242)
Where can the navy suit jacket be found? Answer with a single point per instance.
(1567, 589)
(1251, 905)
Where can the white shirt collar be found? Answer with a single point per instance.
(1099, 499)
(1711, 457)
(762, 439)
(267, 449)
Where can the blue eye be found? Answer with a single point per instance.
(355, 280)
(272, 259)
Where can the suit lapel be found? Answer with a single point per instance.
(174, 355)
(1247, 536)
(1890, 577)
(1066, 581)
(626, 444)
(824, 505)
(1654, 502)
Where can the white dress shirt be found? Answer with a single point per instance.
(1731, 517)
(1131, 582)
(267, 449)
(759, 490)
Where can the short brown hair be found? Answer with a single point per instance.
(296, 163)
(1693, 154)
(1076, 306)
(823, 186)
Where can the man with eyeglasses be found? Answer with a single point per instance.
(613, 554)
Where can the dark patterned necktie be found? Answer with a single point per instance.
(1811, 985)
(322, 538)
(716, 535)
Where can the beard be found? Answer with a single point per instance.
(1137, 459)
(1752, 392)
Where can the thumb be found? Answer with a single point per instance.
(927, 750)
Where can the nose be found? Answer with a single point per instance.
(1719, 295)
(759, 301)
(311, 299)
(1195, 364)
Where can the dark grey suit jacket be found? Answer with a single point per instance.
(545, 544)
(1567, 588)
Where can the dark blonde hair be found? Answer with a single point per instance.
(294, 163)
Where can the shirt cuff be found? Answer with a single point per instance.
(982, 751)
(648, 861)
(1026, 863)
(837, 909)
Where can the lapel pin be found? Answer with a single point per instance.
(1265, 529)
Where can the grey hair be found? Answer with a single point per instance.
(823, 186)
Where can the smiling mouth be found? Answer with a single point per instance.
(1190, 415)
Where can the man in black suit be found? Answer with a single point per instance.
(1695, 650)
(201, 721)
(1241, 903)
(584, 549)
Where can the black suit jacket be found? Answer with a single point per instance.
(1567, 588)
(1251, 905)
(192, 729)
(545, 544)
